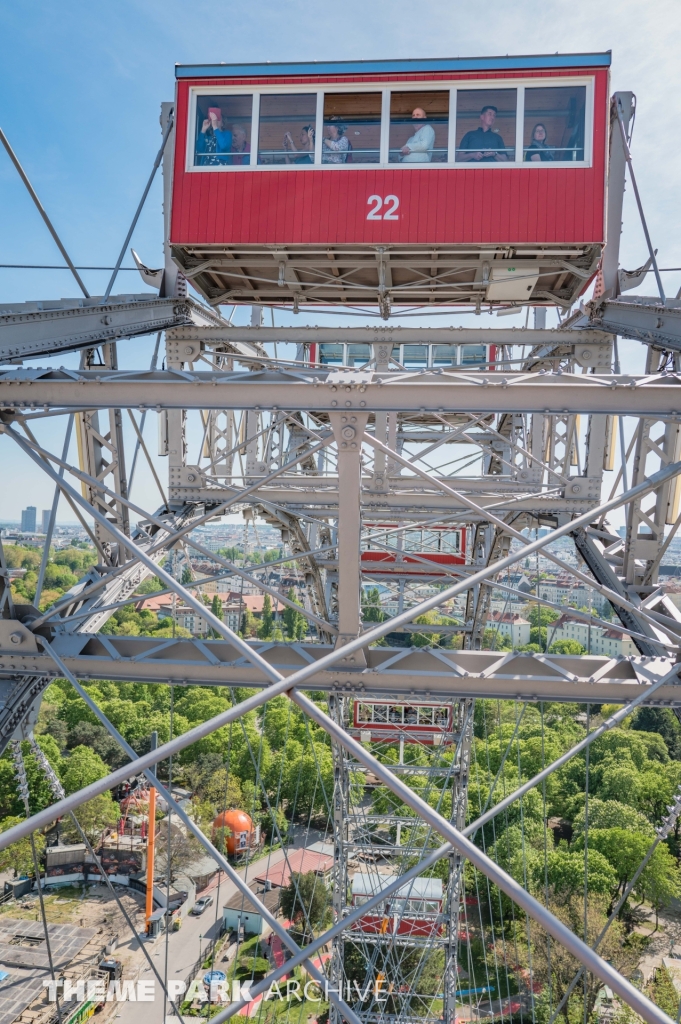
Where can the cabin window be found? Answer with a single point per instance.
(358, 355)
(352, 128)
(223, 131)
(419, 127)
(485, 125)
(413, 540)
(444, 355)
(553, 127)
(286, 132)
(331, 355)
(364, 713)
(473, 355)
(538, 123)
(414, 356)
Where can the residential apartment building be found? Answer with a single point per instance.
(594, 639)
(185, 617)
(231, 615)
(564, 591)
(613, 643)
(511, 625)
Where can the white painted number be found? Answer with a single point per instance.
(392, 204)
(391, 213)
(374, 214)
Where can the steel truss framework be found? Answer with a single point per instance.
(430, 479)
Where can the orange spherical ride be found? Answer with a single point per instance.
(241, 828)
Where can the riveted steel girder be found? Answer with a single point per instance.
(323, 391)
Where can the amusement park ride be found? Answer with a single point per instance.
(425, 186)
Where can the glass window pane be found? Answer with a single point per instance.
(286, 131)
(450, 541)
(396, 714)
(441, 717)
(419, 127)
(358, 355)
(425, 716)
(485, 125)
(473, 354)
(444, 355)
(554, 123)
(352, 128)
(223, 131)
(380, 713)
(414, 356)
(331, 354)
(364, 713)
(410, 716)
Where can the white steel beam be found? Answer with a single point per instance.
(348, 431)
(557, 393)
(42, 328)
(390, 336)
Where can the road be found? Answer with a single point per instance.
(183, 946)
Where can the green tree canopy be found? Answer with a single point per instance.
(267, 621)
(19, 856)
(565, 872)
(305, 901)
(566, 647)
(83, 767)
(371, 605)
(664, 722)
(539, 615)
(94, 817)
(294, 622)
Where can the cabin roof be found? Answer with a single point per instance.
(435, 65)
(369, 884)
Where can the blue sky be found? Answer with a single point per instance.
(81, 86)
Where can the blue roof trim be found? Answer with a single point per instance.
(395, 67)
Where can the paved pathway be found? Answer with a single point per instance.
(183, 946)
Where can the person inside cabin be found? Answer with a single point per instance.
(483, 143)
(538, 148)
(240, 147)
(336, 145)
(304, 154)
(419, 148)
(214, 140)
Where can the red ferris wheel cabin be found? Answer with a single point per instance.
(459, 181)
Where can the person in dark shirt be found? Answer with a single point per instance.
(483, 144)
(304, 155)
(538, 148)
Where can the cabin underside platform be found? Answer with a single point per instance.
(390, 275)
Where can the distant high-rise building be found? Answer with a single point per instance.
(47, 512)
(28, 517)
